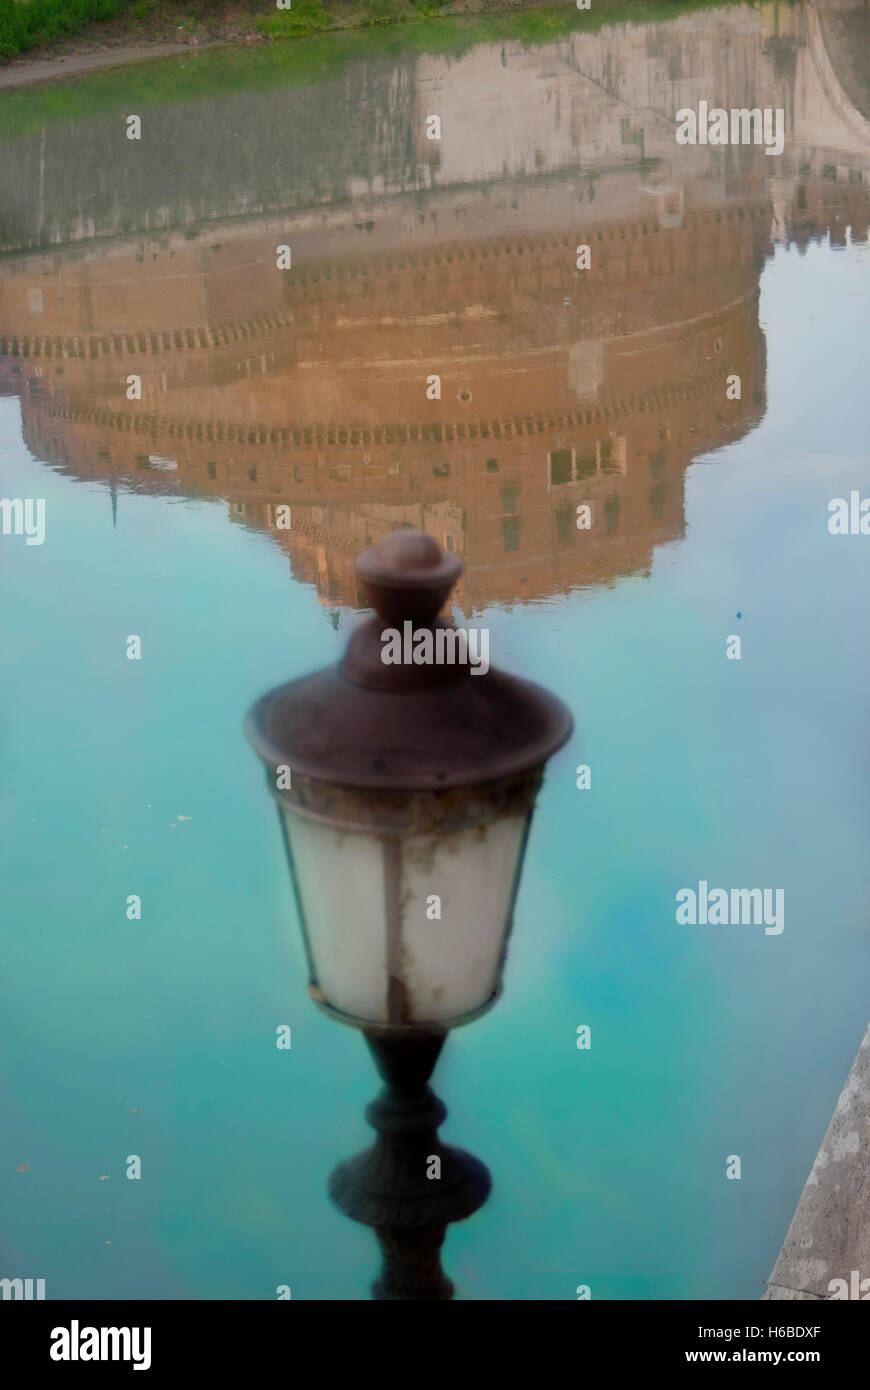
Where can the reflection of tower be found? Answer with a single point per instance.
(560, 389)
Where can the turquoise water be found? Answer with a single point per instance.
(156, 1037)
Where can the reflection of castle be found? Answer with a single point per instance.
(559, 387)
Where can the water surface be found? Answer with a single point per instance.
(306, 387)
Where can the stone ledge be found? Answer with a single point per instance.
(776, 1291)
(829, 1236)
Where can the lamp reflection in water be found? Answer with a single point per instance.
(405, 793)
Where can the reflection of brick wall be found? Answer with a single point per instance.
(365, 332)
(493, 487)
(320, 401)
(140, 288)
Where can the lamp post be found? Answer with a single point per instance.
(405, 793)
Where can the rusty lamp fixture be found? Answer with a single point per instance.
(405, 794)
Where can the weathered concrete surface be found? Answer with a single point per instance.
(830, 1232)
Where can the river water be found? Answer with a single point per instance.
(560, 388)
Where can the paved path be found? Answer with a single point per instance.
(21, 71)
(829, 1236)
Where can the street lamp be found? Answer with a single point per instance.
(405, 791)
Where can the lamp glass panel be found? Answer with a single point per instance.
(428, 913)
(451, 963)
(340, 881)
